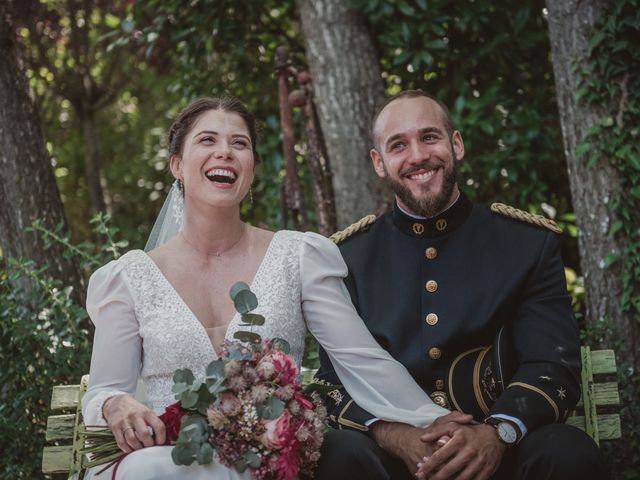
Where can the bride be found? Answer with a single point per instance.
(170, 308)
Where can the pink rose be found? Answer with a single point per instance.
(276, 431)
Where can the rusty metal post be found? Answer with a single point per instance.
(293, 190)
(318, 162)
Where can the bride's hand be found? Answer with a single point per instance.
(133, 424)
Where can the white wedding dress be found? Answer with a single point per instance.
(145, 330)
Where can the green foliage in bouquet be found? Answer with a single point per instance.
(199, 394)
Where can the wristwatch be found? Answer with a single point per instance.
(508, 433)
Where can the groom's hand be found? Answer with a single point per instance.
(404, 441)
(473, 452)
(133, 424)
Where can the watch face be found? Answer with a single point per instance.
(507, 432)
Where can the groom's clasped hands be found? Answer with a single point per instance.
(413, 444)
(450, 447)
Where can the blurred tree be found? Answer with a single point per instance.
(27, 186)
(67, 51)
(348, 89)
(108, 110)
(596, 62)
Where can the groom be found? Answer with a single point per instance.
(473, 302)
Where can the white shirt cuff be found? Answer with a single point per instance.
(371, 421)
(515, 420)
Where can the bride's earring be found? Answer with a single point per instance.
(178, 203)
(251, 196)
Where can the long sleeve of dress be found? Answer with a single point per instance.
(374, 380)
(117, 346)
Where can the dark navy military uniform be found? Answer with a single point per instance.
(445, 295)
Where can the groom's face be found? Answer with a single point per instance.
(416, 155)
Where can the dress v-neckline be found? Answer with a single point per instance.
(192, 315)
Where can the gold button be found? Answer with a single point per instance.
(439, 384)
(431, 253)
(441, 224)
(431, 319)
(431, 286)
(435, 353)
(418, 228)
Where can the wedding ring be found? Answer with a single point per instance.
(128, 428)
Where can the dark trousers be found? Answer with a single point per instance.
(555, 451)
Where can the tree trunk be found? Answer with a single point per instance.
(571, 25)
(28, 189)
(348, 88)
(92, 161)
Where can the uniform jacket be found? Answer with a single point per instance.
(436, 293)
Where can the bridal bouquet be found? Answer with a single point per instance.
(250, 407)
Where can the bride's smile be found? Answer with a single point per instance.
(217, 162)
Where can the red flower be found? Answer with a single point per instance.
(285, 367)
(288, 463)
(306, 404)
(171, 419)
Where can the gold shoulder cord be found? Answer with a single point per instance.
(521, 215)
(352, 229)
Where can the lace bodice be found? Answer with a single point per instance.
(144, 328)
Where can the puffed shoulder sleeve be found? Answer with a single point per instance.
(116, 356)
(373, 379)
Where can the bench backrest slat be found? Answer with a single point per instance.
(64, 397)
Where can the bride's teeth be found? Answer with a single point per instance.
(221, 172)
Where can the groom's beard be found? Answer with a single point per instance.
(426, 205)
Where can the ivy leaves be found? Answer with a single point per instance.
(609, 78)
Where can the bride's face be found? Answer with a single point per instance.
(217, 161)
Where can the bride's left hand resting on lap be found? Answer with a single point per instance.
(133, 424)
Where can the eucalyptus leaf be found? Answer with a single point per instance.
(271, 409)
(241, 465)
(189, 399)
(281, 344)
(237, 288)
(184, 375)
(247, 336)
(239, 351)
(253, 459)
(205, 398)
(183, 454)
(252, 319)
(215, 369)
(179, 388)
(205, 454)
(245, 301)
(191, 419)
(216, 386)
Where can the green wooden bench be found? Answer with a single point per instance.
(594, 413)
(63, 430)
(599, 396)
